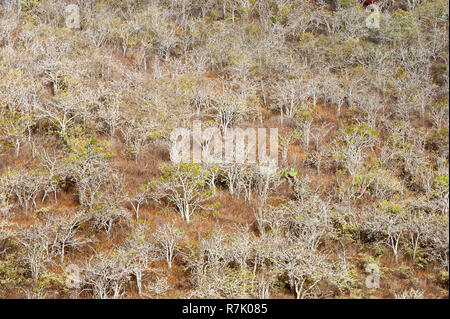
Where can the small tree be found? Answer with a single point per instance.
(53, 170)
(13, 127)
(266, 181)
(352, 143)
(36, 249)
(140, 197)
(138, 136)
(109, 112)
(62, 114)
(418, 229)
(438, 240)
(106, 275)
(228, 108)
(103, 216)
(390, 223)
(65, 234)
(159, 285)
(25, 186)
(89, 168)
(287, 140)
(233, 174)
(137, 252)
(288, 96)
(305, 268)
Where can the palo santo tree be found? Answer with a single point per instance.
(184, 185)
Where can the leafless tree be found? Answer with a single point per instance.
(66, 234)
(105, 276)
(13, 128)
(438, 240)
(287, 140)
(418, 229)
(211, 275)
(229, 108)
(137, 136)
(36, 293)
(88, 167)
(338, 96)
(288, 96)
(266, 180)
(36, 249)
(240, 246)
(307, 224)
(159, 286)
(390, 225)
(354, 141)
(25, 186)
(305, 268)
(62, 114)
(232, 174)
(109, 112)
(167, 238)
(104, 216)
(54, 170)
(304, 125)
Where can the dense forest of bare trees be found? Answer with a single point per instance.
(91, 205)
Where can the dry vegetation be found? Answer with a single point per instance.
(86, 178)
